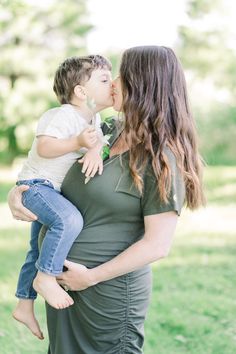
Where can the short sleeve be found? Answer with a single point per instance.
(59, 125)
(150, 200)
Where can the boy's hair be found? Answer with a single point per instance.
(75, 71)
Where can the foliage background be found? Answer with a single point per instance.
(35, 38)
(193, 304)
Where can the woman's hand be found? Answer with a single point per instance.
(76, 278)
(19, 212)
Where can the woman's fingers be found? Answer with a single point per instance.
(60, 279)
(19, 212)
(22, 188)
(68, 264)
(75, 278)
(24, 214)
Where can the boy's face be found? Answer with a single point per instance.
(98, 88)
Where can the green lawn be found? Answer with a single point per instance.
(193, 308)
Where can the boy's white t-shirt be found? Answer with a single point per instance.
(62, 123)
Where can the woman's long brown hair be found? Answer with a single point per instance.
(157, 115)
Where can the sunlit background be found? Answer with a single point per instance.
(193, 307)
(37, 36)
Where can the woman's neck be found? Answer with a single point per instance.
(120, 146)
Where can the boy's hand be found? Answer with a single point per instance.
(87, 138)
(92, 163)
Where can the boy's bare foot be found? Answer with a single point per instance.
(47, 286)
(24, 313)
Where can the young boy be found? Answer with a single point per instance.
(62, 134)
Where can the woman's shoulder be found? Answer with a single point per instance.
(151, 201)
(171, 158)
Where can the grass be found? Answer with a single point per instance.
(15, 338)
(193, 302)
(220, 185)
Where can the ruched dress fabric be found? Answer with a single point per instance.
(108, 318)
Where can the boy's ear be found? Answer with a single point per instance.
(79, 92)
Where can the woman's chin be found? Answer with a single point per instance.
(117, 108)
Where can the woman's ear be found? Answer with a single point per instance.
(79, 92)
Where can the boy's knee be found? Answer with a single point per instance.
(74, 222)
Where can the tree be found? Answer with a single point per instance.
(207, 54)
(35, 38)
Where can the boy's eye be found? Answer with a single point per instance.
(104, 80)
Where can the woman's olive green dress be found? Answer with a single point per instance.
(108, 318)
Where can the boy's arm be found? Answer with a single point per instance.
(50, 147)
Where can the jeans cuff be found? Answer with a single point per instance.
(26, 297)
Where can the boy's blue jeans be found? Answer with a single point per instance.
(64, 223)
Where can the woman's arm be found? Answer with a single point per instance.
(156, 243)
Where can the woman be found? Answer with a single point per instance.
(130, 212)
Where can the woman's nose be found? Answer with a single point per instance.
(113, 90)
